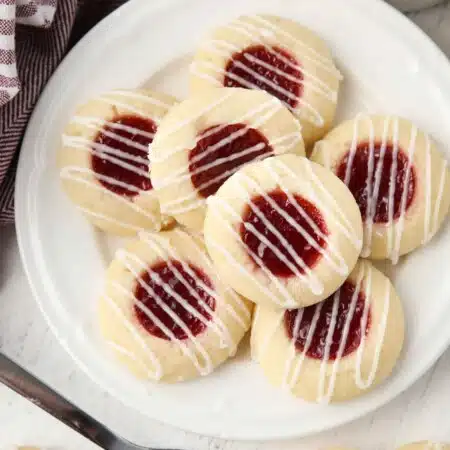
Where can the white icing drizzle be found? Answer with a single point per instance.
(107, 153)
(192, 347)
(314, 56)
(439, 199)
(309, 277)
(82, 175)
(268, 334)
(399, 225)
(96, 123)
(271, 106)
(157, 373)
(106, 218)
(331, 255)
(380, 336)
(258, 35)
(291, 358)
(244, 311)
(88, 177)
(295, 360)
(426, 225)
(123, 351)
(257, 117)
(330, 206)
(331, 252)
(138, 96)
(432, 218)
(287, 300)
(193, 118)
(395, 227)
(132, 109)
(216, 323)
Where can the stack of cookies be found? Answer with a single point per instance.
(243, 195)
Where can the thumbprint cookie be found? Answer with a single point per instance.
(337, 349)
(165, 313)
(398, 177)
(425, 445)
(276, 55)
(283, 232)
(104, 162)
(208, 137)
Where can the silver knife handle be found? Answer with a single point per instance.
(25, 384)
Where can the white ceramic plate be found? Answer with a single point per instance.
(389, 65)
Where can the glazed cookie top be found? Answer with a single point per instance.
(104, 159)
(208, 137)
(166, 311)
(277, 234)
(338, 348)
(277, 55)
(399, 179)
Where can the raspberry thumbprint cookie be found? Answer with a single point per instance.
(207, 138)
(276, 55)
(165, 312)
(425, 445)
(104, 160)
(399, 179)
(283, 232)
(337, 349)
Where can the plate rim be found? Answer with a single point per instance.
(31, 264)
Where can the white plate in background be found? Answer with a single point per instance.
(390, 67)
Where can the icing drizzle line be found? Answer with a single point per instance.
(395, 232)
(331, 255)
(192, 348)
(295, 360)
(87, 177)
(254, 118)
(258, 33)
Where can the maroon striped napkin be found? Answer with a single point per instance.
(34, 36)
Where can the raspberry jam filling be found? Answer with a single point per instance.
(263, 244)
(123, 155)
(298, 323)
(168, 290)
(220, 151)
(384, 189)
(273, 70)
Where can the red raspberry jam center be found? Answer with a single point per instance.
(271, 69)
(298, 324)
(282, 211)
(220, 151)
(169, 290)
(392, 181)
(122, 163)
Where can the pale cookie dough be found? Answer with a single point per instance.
(104, 166)
(165, 313)
(322, 353)
(283, 232)
(208, 137)
(425, 445)
(368, 154)
(277, 55)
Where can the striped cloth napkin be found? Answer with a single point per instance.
(34, 37)
(37, 13)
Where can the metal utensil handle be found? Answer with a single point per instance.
(25, 384)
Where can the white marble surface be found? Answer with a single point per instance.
(420, 413)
